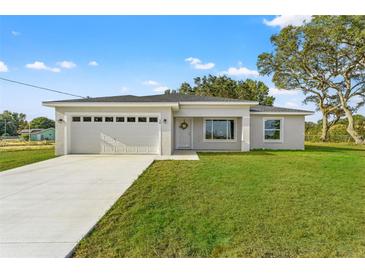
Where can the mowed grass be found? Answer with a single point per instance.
(258, 204)
(20, 156)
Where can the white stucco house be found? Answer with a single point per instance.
(161, 124)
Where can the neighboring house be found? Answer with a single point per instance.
(45, 134)
(160, 124)
(39, 134)
(26, 131)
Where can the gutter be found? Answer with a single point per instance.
(223, 103)
(282, 113)
(174, 106)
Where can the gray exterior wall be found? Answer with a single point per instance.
(251, 137)
(293, 132)
(200, 144)
(199, 112)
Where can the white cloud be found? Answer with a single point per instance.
(283, 21)
(160, 88)
(157, 87)
(276, 91)
(197, 63)
(3, 67)
(93, 63)
(37, 65)
(66, 64)
(15, 33)
(125, 90)
(151, 83)
(241, 71)
(291, 104)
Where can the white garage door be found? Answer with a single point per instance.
(115, 134)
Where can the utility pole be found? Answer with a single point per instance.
(29, 132)
(5, 124)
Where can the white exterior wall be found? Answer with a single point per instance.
(293, 132)
(64, 113)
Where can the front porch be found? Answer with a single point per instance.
(210, 133)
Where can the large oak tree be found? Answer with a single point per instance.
(326, 59)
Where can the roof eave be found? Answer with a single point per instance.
(216, 103)
(282, 113)
(174, 105)
(110, 104)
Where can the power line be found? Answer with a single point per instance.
(48, 89)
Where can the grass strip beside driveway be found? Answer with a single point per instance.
(18, 157)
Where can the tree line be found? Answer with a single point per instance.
(337, 132)
(12, 122)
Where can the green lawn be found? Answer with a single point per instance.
(20, 157)
(258, 204)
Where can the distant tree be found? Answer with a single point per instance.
(310, 126)
(256, 91)
(12, 122)
(326, 59)
(338, 131)
(185, 88)
(329, 107)
(223, 86)
(170, 91)
(42, 122)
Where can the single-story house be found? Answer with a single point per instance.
(32, 130)
(45, 134)
(39, 134)
(161, 124)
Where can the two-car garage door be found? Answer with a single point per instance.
(115, 134)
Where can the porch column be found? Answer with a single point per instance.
(245, 133)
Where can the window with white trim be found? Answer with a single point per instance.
(272, 129)
(219, 129)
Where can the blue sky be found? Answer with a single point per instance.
(140, 55)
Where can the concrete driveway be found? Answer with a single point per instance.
(46, 208)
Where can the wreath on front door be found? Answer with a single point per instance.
(184, 125)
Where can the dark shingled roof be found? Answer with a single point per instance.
(260, 108)
(176, 98)
(167, 98)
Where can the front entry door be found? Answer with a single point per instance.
(183, 131)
